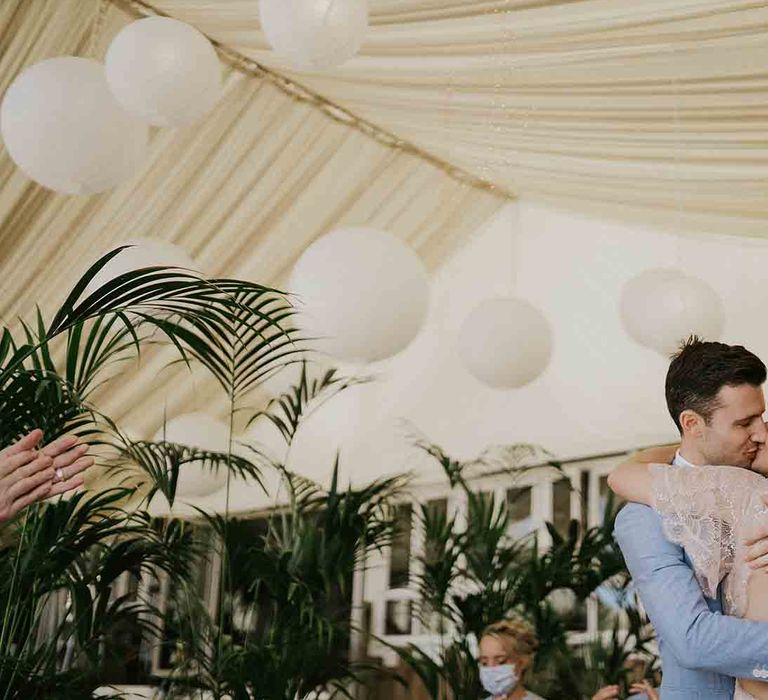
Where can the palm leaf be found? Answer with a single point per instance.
(163, 461)
(239, 330)
(287, 411)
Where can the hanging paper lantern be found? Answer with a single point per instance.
(505, 343)
(65, 130)
(362, 292)
(315, 34)
(164, 71)
(660, 308)
(203, 432)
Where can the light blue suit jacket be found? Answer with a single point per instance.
(702, 650)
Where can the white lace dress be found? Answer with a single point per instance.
(706, 510)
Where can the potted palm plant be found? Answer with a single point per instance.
(60, 561)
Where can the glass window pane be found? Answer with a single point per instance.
(519, 502)
(438, 507)
(520, 505)
(122, 659)
(584, 499)
(400, 555)
(398, 617)
(561, 505)
(437, 513)
(179, 618)
(481, 500)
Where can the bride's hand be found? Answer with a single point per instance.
(656, 455)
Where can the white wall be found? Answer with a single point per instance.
(601, 391)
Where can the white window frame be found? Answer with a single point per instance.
(373, 587)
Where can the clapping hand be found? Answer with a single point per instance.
(645, 687)
(28, 475)
(612, 692)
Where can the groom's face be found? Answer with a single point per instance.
(736, 429)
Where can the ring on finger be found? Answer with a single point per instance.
(59, 474)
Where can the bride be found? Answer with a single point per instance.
(708, 511)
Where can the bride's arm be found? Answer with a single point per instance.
(632, 479)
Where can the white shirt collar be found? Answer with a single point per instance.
(681, 461)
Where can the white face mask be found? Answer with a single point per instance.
(499, 680)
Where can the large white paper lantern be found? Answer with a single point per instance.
(505, 343)
(63, 127)
(164, 71)
(204, 432)
(315, 34)
(660, 308)
(362, 292)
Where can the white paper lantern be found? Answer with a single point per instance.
(164, 71)
(201, 431)
(505, 343)
(363, 292)
(63, 127)
(660, 308)
(315, 34)
(144, 252)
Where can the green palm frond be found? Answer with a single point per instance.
(485, 536)
(453, 469)
(287, 411)
(40, 399)
(453, 674)
(240, 331)
(94, 345)
(440, 561)
(428, 670)
(162, 463)
(33, 394)
(79, 547)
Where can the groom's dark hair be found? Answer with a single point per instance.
(700, 369)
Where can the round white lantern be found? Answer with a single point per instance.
(660, 308)
(164, 71)
(505, 343)
(362, 292)
(63, 127)
(144, 252)
(315, 34)
(201, 431)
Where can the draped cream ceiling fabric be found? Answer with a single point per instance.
(652, 109)
(244, 192)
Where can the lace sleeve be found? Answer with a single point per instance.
(701, 510)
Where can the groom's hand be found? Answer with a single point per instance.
(756, 542)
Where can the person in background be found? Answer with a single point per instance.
(29, 475)
(507, 651)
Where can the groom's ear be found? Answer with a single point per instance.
(692, 423)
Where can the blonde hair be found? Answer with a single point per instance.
(516, 635)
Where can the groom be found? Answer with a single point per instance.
(714, 394)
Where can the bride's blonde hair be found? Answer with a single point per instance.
(517, 636)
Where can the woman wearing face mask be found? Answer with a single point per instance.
(507, 649)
